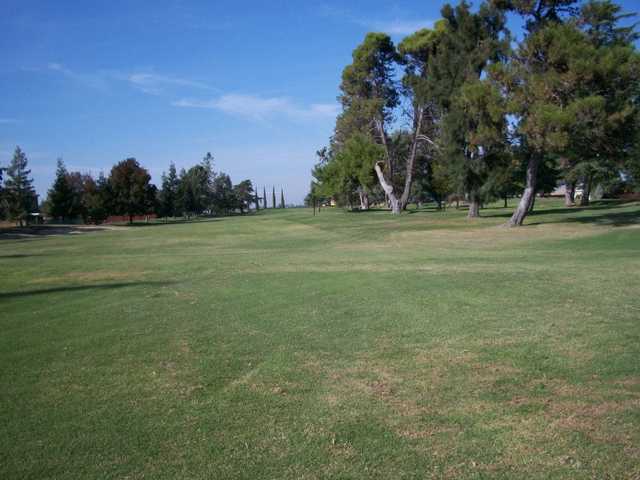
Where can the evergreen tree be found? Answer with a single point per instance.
(264, 197)
(19, 193)
(256, 199)
(60, 197)
(281, 198)
(168, 197)
(95, 199)
(273, 198)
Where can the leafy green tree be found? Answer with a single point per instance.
(243, 195)
(224, 195)
(94, 199)
(281, 198)
(131, 190)
(194, 192)
(273, 198)
(60, 199)
(20, 196)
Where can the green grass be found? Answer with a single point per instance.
(346, 345)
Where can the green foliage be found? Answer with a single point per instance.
(130, 190)
(243, 195)
(60, 199)
(168, 200)
(19, 196)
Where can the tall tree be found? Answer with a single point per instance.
(264, 197)
(281, 198)
(168, 197)
(131, 190)
(60, 196)
(473, 129)
(273, 198)
(224, 194)
(243, 195)
(95, 199)
(571, 97)
(20, 196)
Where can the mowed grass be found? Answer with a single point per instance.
(346, 345)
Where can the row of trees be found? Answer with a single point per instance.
(127, 191)
(462, 109)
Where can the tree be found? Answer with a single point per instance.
(224, 200)
(195, 190)
(571, 98)
(256, 199)
(168, 197)
(132, 193)
(60, 197)
(473, 128)
(273, 198)
(350, 172)
(369, 96)
(20, 196)
(95, 199)
(243, 195)
(281, 198)
(264, 197)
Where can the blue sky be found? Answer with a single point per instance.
(253, 82)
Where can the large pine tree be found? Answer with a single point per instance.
(61, 195)
(19, 193)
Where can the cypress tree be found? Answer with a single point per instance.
(273, 198)
(19, 192)
(61, 194)
(264, 197)
(281, 198)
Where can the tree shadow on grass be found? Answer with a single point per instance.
(614, 219)
(160, 223)
(78, 288)
(41, 231)
(595, 206)
(21, 255)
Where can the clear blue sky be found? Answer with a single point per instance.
(253, 82)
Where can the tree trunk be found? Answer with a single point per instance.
(530, 188)
(586, 191)
(364, 200)
(474, 205)
(394, 202)
(505, 202)
(532, 203)
(568, 195)
(404, 200)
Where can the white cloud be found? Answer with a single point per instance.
(258, 108)
(401, 25)
(146, 82)
(98, 80)
(155, 84)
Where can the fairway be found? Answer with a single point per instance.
(345, 345)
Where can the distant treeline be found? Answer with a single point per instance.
(128, 192)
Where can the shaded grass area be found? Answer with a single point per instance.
(344, 345)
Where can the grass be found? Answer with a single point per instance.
(338, 346)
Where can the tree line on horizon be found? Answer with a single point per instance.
(463, 109)
(127, 191)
